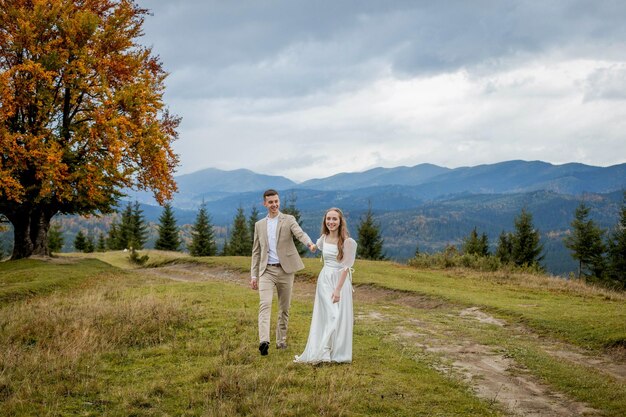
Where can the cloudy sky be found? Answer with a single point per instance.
(307, 89)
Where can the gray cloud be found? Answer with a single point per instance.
(348, 85)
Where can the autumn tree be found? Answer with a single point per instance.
(81, 113)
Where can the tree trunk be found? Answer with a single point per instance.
(30, 232)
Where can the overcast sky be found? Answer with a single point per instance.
(307, 89)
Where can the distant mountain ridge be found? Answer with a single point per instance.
(239, 180)
(420, 182)
(414, 175)
(425, 205)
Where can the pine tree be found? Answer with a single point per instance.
(168, 231)
(203, 240)
(370, 240)
(290, 208)
(89, 245)
(138, 227)
(252, 219)
(113, 240)
(525, 242)
(475, 245)
(55, 238)
(80, 241)
(240, 243)
(225, 249)
(504, 250)
(126, 228)
(617, 250)
(586, 243)
(101, 243)
(131, 231)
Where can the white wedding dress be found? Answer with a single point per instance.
(330, 337)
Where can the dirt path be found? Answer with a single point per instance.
(494, 376)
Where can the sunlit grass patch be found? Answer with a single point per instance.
(29, 277)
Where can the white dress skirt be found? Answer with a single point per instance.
(330, 336)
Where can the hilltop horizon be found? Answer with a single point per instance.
(300, 181)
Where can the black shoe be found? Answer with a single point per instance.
(264, 347)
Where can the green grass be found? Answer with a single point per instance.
(130, 345)
(572, 311)
(27, 278)
(85, 337)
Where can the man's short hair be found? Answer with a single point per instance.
(269, 193)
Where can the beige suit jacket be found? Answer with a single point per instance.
(286, 230)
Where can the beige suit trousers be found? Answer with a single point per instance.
(274, 277)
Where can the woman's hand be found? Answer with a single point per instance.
(335, 296)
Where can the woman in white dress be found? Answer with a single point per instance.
(330, 337)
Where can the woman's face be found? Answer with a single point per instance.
(333, 221)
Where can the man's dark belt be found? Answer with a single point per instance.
(273, 265)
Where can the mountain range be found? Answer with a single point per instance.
(425, 206)
(393, 188)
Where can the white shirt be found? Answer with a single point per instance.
(272, 255)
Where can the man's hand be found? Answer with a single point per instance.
(312, 247)
(254, 284)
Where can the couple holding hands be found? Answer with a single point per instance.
(275, 259)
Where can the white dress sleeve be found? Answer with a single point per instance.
(349, 253)
(320, 243)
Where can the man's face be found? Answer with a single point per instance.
(272, 203)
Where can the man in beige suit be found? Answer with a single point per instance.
(275, 259)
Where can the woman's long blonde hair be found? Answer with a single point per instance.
(343, 230)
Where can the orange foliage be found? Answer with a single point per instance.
(81, 106)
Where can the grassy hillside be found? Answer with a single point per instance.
(86, 336)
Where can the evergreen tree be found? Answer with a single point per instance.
(586, 243)
(617, 250)
(168, 231)
(126, 228)
(132, 230)
(475, 245)
(203, 240)
(504, 250)
(370, 240)
(139, 228)
(89, 245)
(290, 208)
(113, 241)
(55, 238)
(240, 243)
(225, 249)
(101, 243)
(80, 241)
(525, 242)
(254, 217)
